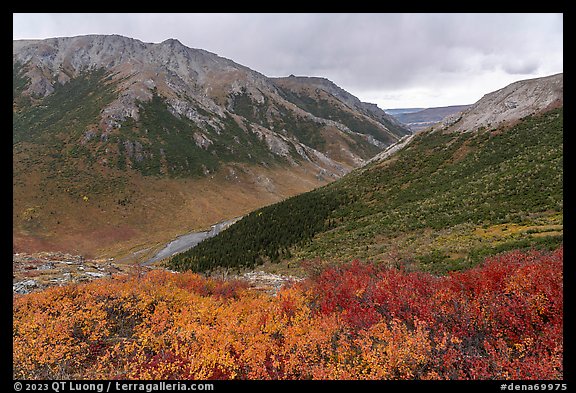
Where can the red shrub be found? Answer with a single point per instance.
(501, 320)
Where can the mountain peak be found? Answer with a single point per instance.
(172, 42)
(190, 81)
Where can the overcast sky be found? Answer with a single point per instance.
(393, 60)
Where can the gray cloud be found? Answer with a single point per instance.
(521, 67)
(370, 55)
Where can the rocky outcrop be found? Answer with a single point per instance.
(39, 271)
(35, 272)
(311, 88)
(267, 282)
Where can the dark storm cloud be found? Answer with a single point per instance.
(375, 55)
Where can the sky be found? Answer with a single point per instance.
(393, 60)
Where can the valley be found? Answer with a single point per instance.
(421, 118)
(177, 215)
(140, 212)
(442, 202)
(115, 156)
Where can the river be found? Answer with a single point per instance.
(189, 240)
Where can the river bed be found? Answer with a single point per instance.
(189, 240)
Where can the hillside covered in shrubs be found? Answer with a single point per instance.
(500, 320)
(445, 201)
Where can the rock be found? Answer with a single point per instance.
(56, 269)
(267, 282)
(24, 287)
(95, 274)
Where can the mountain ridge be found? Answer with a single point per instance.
(108, 117)
(438, 200)
(511, 103)
(196, 81)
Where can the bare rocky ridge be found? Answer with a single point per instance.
(192, 82)
(500, 107)
(169, 67)
(511, 103)
(315, 86)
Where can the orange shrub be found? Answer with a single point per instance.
(502, 320)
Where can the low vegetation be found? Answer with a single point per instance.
(427, 203)
(63, 116)
(500, 320)
(320, 106)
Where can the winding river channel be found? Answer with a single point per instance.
(189, 240)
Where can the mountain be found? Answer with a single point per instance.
(325, 99)
(120, 144)
(423, 118)
(503, 106)
(437, 201)
(511, 103)
(398, 111)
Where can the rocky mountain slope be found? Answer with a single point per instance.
(438, 200)
(503, 106)
(511, 103)
(209, 93)
(325, 99)
(116, 141)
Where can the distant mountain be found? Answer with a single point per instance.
(117, 141)
(439, 200)
(398, 111)
(503, 106)
(421, 119)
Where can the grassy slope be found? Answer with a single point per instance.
(442, 203)
(143, 212)
(458, 197)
